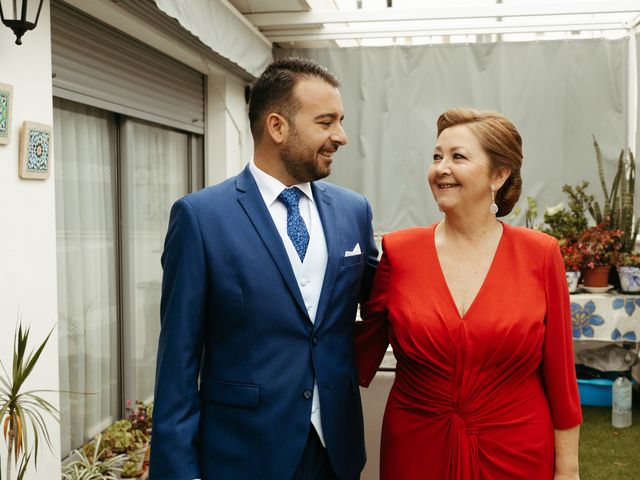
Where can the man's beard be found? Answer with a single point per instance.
(300, 162)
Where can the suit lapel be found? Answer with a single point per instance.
(253, 204)
(327, 213)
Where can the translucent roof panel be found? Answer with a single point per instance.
(403, 22)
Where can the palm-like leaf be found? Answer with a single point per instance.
(23, 413)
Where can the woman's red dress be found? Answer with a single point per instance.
(476, 397)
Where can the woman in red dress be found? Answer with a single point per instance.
(477, 313)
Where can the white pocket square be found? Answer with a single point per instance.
(352, 253)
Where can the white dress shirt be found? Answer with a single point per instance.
(309, 273)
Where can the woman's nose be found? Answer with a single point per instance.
(443, 166)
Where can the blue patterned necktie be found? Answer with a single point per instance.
(296, 229)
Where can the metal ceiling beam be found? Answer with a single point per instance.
(277, 38)
(527, 24)
(300, 19)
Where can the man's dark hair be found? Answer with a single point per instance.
(273, 90)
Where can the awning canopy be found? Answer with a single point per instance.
(220, 27)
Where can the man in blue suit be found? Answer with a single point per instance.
(262, 276)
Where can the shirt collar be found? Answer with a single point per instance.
(270, 187)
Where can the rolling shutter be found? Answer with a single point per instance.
(97, 65)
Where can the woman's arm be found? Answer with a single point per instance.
(371, 334)
(566, 450)
(558, 369)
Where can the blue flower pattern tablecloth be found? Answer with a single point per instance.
(605, 317)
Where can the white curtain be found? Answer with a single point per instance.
(154, 175)
(86, 245)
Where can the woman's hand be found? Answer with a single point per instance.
(567, 476)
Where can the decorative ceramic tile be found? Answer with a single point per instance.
(35, 150)
(6, 98)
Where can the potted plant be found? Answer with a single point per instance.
(598, 247)
(126, 439)
(567, 223)
(117, 438)
(20, 411)
(133, 466)
(628, 264)
(572, 259)
(619, 198)
(96, 465)
(140, 415)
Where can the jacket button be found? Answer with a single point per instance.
(314, 340)
(307, 394)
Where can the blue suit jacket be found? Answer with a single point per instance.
(233, 317)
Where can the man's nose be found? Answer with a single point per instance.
(339, 135)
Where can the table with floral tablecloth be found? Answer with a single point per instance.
(608, 317)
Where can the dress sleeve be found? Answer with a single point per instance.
(371, 334)
(558, 368)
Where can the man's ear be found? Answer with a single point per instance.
(277, 128)
(500, 176)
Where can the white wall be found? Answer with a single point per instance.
(27, 225)
(229, 144)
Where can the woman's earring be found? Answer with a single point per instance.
(493, 208)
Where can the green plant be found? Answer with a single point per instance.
(130, 468)
(21, 411)
(568, 223)
(598, 245)
(530, 214)
(93, 467)
(141, 417)
(618, 212)
(118, 438)
(627, 259)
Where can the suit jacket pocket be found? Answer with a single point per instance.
(244, 395)
(352, 260)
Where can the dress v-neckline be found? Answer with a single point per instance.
(443, 279)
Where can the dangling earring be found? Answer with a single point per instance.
(493, 208)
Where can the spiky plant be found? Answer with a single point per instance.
(21, 411)
(618, 209)
(91, 467)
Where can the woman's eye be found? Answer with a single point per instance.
(458, 155)
(437, 157)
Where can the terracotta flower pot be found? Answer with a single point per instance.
(596, 276)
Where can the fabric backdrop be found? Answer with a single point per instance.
(557, 93)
